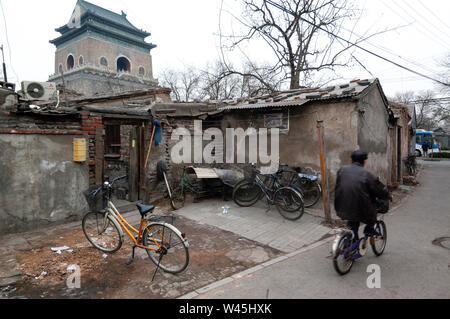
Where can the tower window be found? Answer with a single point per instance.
(123, 64)
(103, 61)
(81, 60)
(70, 62)
(141, 71)
(60, 69)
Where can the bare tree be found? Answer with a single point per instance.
(406, 98)
(445, 76)
(185, 84)
(431, 112)
(218, 84)
(219, 81)
(425, 110)
(300, 35)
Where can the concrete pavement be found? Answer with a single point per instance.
(411, 267)
(260, 223)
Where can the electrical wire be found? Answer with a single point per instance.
(425, 31)
(357, 46)
(426, 8)
(7, 41)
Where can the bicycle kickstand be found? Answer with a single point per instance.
(131, 259)
(157, 267)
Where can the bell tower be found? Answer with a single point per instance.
(101, 52)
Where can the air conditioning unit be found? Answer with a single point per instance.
(38, 91)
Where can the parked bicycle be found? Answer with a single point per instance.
(346, 249)
(256, 186)
(308, 184)
(165, 245)
(411, 165)
(177, 194)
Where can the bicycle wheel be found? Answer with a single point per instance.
(311, 192)
(102, 232)
(378, 242)
(169, 250)
(289, 203)
(178, 198)
(246, 194)
(342, 260)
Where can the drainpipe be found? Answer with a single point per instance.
(326, 209)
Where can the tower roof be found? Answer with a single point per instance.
(95, 19)
(107, 14)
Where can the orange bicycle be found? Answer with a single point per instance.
(166, 246)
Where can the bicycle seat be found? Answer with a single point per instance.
(145, 209)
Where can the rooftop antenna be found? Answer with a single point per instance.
(4, 65)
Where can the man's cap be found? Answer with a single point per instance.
(359, 155)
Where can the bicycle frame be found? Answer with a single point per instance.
(266, 190)
(112, 211)
(354, 247)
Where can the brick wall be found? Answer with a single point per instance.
(89, 125)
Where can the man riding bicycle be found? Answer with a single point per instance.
(356, 192)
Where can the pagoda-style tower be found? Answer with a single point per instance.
(101, 52)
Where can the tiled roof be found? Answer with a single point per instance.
(106, 14)
(300, 96)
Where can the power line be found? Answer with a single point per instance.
(356, 45)
(426, 8)
(423, 17)
(431, 35)
(380, 47)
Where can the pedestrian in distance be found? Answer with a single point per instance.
(425, 148)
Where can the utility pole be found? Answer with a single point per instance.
(4, 65)
(326, 209)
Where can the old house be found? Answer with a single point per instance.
(100, 51)
(402, 137)
(354, 115)
(39, 178)
(42, 179)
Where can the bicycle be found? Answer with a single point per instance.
(307, 184)
(166, 246)
(178, 194)
(287, 199)
(346, 249)
(411, 165)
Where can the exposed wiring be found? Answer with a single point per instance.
(7, 41)
(356, 45)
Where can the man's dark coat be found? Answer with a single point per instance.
(355, 194)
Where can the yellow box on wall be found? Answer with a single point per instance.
(79, 150)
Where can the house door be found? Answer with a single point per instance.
(134, 164)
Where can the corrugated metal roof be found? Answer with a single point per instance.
(300, 96)
(296, 102)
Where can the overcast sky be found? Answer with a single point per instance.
(185, 32)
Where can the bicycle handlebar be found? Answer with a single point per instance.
(119, 178)
(110, 184)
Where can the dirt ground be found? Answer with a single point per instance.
(214, 255)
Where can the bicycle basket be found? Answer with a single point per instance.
(249, 173)
(94, 198)
(382, 206)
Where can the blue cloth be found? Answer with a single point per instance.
(158, 132)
